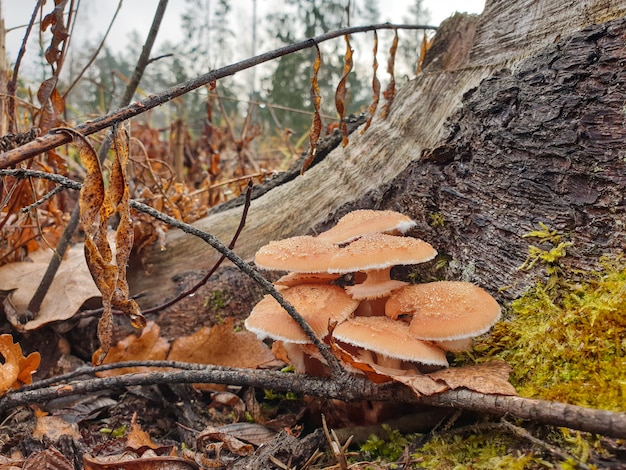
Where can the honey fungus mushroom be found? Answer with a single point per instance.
(375, 255)
(390, 340)
(361, 222)
(301, 254)
(318, 304)
(444, 310)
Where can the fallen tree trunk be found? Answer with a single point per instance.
(516, 119)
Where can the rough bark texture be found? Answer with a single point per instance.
(516, 119)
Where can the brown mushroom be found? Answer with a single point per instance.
(302, 254)
(376, 254)
(390, 340)
(364, 222)
(444, 310)
(318, 304)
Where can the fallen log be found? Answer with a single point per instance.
(516, 119)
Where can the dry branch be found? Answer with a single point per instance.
(348, 388)
(53, 140)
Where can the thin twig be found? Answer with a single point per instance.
(12, 85)
(52, 140)
(524, 434)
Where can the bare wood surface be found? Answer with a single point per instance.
(395, 164)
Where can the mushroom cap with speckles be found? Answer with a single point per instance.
(301, 254)
(379, 251)
(364, 222)
(389, 337)
(318, 304)
(444, 310)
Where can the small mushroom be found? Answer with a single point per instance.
(376, 254)
(301, 254)
(390, 340)
(318, 304)
(444, 310)
(357, 223)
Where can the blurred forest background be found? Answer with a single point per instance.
(201, 148)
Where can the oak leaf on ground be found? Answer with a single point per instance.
(16, 370)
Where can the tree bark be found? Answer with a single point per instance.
(517, 118)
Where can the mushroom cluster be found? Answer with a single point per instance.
(392, 325)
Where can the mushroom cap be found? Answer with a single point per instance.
(391, 338)
(363, 222)
(318, 304)
(444, 310)
(370, 291)
(379, 251)
(301, 254)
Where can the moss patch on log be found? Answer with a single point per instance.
(566, 336)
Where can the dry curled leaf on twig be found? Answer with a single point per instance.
(97, 205)
(16, 370)
(375, 86)
(424, 46)
(340, 94)
(316, 100)
(390, 92)
(56, 21)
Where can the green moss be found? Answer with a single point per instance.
(565, 338)
(484, 450)
(436, 219)
(389, 449)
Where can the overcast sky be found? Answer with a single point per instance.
(137, 15)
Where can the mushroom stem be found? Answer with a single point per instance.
(296, 356)
(376, 276)
(378, 283)
(390, 362)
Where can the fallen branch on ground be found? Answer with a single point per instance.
(348, 388)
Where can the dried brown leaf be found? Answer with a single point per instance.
(375, 87)
(223, 346)
(148, 346)
(16, 370)
(96, 207)
(340, 93)
(316, 126)
(49, 458)
(53, 427)
(424, 46)
(390, 92)
(490, 378)
(55, 20)
(52, 105)
(138, 438)
(231, 443)
(71, 287)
